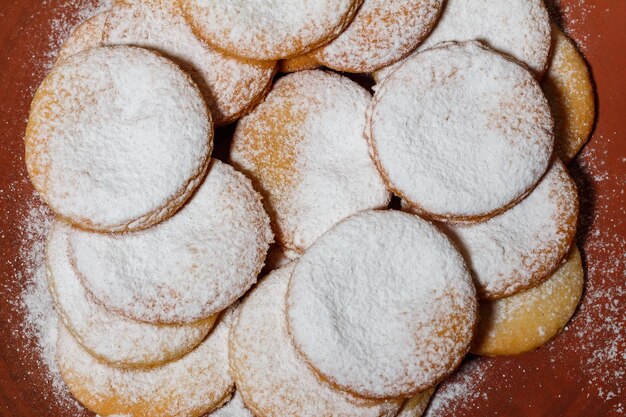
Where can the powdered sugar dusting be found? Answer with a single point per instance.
(382, 32)
(40, 318)
(382, 305)
(305, 149)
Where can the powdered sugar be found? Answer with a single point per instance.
(117, 138)
(230, 86)
(106, 335)
(520, 247)
(519, 28)
(187, 268)
(460, 131)
(268, 30)
(190, 386)
(382, 32)
(382, 305)
(270, 375)
(85, 36)
(304, 147)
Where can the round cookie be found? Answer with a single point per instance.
(85, 36)
(270, 375)
(382, 305)
(262, 30)
(415, 406)
(112, 338)
(99, 150)
(298, 63)
(517, 28)
(233, 408)
(527, 320)
(187, 268)
(569, 90)
(230, 86)
(460, 132)
(381, 33)
(195, 384)
(304, 149)
(521, 247)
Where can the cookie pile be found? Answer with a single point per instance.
(289, 281)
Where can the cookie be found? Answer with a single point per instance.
(111, 338)
(527, 320)
(517, 28)
(415, 406)
(231, 87)
(298, 63)
(262, 30)
(381, 33)
(521, 247)
(99, 150)
(304, 149)
(569, 90)
(85, 36)
(382, 305)
(460, 132)
(187, 268)
(270, 376)
(233, 408)
(191, 386)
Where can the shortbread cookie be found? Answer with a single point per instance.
(85, 36)
(117, 139)
(270, 375)
(415, 406)
(568, 88)
(460, 132)
(304, 149)
(382, 305)
(517, 28)
(233, 408)
(521, 247)
(381, 33)
(191, 386)
(298, 63)
(262, 30)
(187, 268)
(527, 320)
(230, 86)
(112, 338)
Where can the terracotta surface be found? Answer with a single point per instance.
(581, 373)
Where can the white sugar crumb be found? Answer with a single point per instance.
(66, 20)
(39, 327)
(461, 391)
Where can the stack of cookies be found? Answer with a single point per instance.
(291, 281)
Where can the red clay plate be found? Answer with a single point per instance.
(580, 373)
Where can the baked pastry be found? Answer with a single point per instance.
(262, 30)
(191, 386)
(382, 305)
(188, 268)
(525, 321)
(304, 149)
(99, 150)
(569, 90)
(110, 337)
(381, 33)
(85, 36)
(460, 132)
